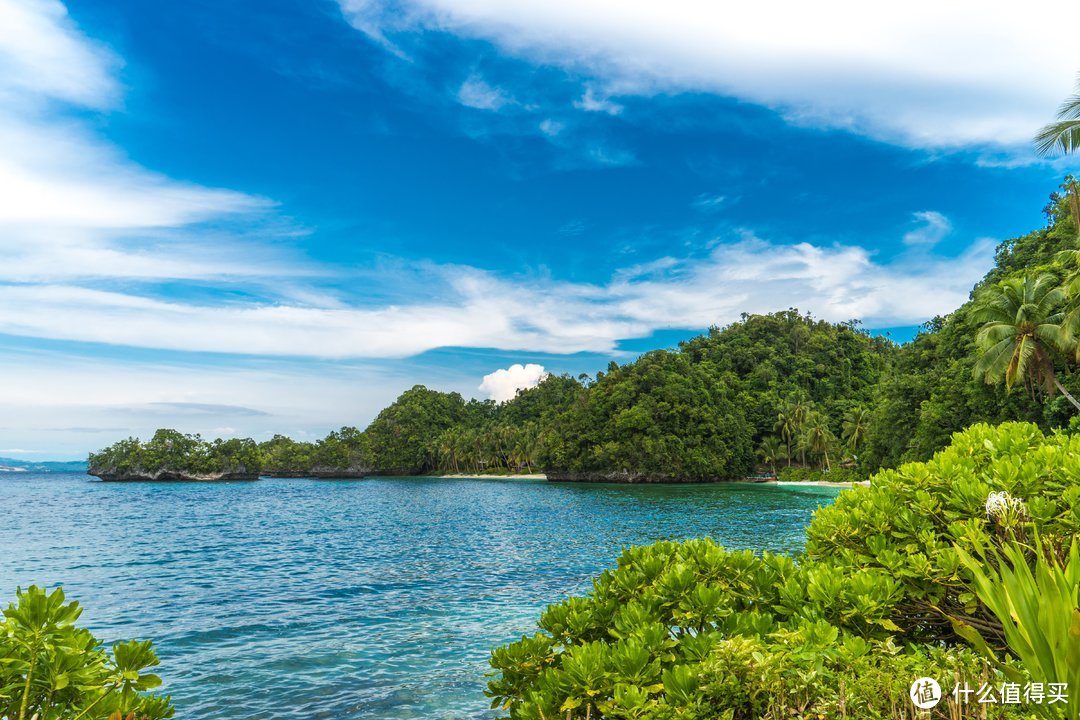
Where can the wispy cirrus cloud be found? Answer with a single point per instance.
(74, 206)
(480, 309)
(81, 213)
(920, 74)
(44, 56)
(933, 228)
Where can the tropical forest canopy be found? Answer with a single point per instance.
(764, 394)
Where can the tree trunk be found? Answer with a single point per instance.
(1068, 396)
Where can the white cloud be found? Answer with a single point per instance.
(72, 205)
(481, 310)
(709, 203)
(922, 73)
(935, 227)
(56, 175)
(591, 102)
(503, 385)
(43, 55)
(64, 405)
(551, 128)
(479, 95)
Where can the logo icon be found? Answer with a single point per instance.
(925, 693)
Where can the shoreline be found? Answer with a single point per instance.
(810, 483)
(785, 484)
(522, 476)
(818, 483)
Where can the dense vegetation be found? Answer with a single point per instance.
(769, 392)
(50, 669)
(173, 455)
(881, 595)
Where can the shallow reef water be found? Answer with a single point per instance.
(378, 598)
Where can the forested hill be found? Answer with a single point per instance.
(764, 393)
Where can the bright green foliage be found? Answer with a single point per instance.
(909, 522)
(284, 456)
(1023, 327)
(691, 630)
(783, 358)
(817, 672)
(1038, 608)
(772, 451)
(52, 670)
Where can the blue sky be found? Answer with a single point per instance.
(248, 218)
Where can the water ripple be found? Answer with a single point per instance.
(373, 599)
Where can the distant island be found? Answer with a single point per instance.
(781, 394)
(173, 456)
(42, 466)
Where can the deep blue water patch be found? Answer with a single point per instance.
(378, 598)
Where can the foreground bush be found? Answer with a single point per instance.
(691, 630)
(911, 522)
(52, 670)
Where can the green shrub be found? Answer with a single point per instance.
(691, 630)
(910, 521)
(52, 670)
(805, 474)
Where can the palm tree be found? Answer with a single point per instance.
(818, 438)
(771, 450)
(788, 429)
(1064, 135)
(789, 422)
(1024, 323)
(800, 409)
(855, 424)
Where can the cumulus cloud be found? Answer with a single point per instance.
(921, 73)
(503, 385)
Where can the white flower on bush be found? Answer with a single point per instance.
(1005, 509)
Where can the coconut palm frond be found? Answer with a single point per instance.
(1063, 135)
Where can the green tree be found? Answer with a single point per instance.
(1023, 326)
(771, 450)
(401, 436)
(855, 426)
(817, 438)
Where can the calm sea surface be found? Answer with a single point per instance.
(376, 598)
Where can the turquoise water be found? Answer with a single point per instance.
(377, 598)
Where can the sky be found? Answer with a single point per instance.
(242, 219)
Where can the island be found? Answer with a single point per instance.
(781, 394)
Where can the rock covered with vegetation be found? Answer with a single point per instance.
(171, 455)
(880, 596)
